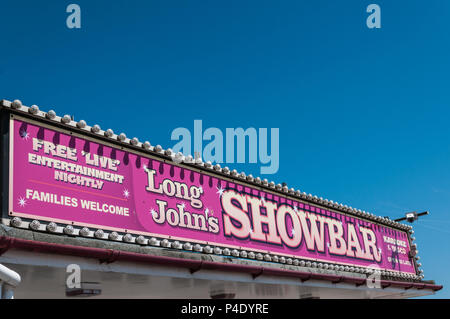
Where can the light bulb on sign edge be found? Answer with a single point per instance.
(35, 225)
(176, 244)
(109, 133)
(128, 238)
(198, 161)
(178, 157)
(51, 227)
(50, 115)
(134, 141)
(121, 137)
(113, 236)
(81, 124)
(153, 241)
(16, 222)
(165, 243)
(207, 249)
(141, 240)
(16, 104)
(84, 232)
(34, 109)
(146, 145)
(66, 119)
(158, 148)
(68, 230)
(95, 128)
(99, 233)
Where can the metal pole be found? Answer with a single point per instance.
(7, 292)
(9, 279)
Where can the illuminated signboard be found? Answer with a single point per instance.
(69, 178)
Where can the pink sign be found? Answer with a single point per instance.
(56, 176)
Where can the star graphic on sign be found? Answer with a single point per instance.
(126, 193)
(22, 202)
(220, 190)
(24, 134)
(153, 212)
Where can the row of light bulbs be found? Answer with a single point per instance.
(69, 230)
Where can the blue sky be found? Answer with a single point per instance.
(363, 113)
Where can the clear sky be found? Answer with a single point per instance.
(363, 113)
